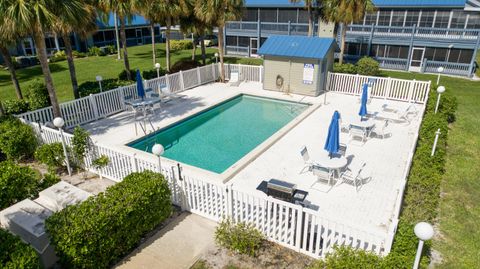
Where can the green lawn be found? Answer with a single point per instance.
(88, 68)
(459, 210)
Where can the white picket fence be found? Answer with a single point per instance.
(386, 88)
(290, 225)
(96, 106)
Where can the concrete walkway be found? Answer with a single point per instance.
(178, 245)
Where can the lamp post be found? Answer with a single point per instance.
(158, 150)
(440, 71)
(157, 66)
(424, 231)
(440, 90)
(216, 57)
(99, 79)
(59, 122)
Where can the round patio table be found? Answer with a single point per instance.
(363, 124)
(335, 163)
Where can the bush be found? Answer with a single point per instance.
(17, 183)
(80, 144)
(368, 67)
(37, 95)
(97, 232)
(14, 253)
(51, 155)
(347, 68)
(17, 140)
(95, 51)
(180, 45)
(241, 237)
(58, 56)
(123, 75)
(77, 54)
(48, 180)
(184, 65)
(16, 106)
(92, 87)
(110, 49)
(151, 74)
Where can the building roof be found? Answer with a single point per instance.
(297, 46)
(378, 3)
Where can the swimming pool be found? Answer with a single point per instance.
(217, 138)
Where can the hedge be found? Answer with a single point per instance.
(92, 87)
(17, 140)
(14, 253)
(421, 197)
(102, 229)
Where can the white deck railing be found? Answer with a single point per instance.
(386, 88)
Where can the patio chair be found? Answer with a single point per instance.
(353, 175)
(234, 79)
(344, 126)
(408, 114)
(308, 163)
(356, 132)
(167, 95)
(324, 175)
(381, 131)
(342, 150)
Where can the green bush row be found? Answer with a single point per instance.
(176, 45)
(92, 87)
(14, 253)
(99, 231)
(365, 66)
(36, 97)
(241, 237)
(421, 197)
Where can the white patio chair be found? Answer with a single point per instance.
(408, 114)
(344, 126)
(234, 79)
(324, 175)
(308, 163)
(356, 132)
(353, 175)
(167, 95)
(381, 131)
(342, 149)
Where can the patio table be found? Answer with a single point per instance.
(365, 125)
(334, 164)
(144, 102)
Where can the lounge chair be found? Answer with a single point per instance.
(399, 115)
(308, 163)
(353, 175)
(381, 131)
(167, 95)
(234, 79)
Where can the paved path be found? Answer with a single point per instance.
(178, 245)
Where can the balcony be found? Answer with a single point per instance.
(241, 28)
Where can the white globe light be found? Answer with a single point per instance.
(157, 65)
(216, 54)
(424, 231)
(58, 122)
(99, 78)
(158, 149)
(440, 69)
(440, 89)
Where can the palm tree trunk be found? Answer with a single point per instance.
(220, 50)
(71, 65)
(310, 21)
(202, 46)
(152, 30)
(2, 112)
(123, 39)
(7, 58)
(342, 45)
(167, 42)
(42, 57)
(194, 50)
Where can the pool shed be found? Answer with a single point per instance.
(297, 64)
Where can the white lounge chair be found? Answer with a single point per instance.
(381, 131)
(353, 175)
(308, 163)
(167, 95)
(399, 115)
(234, 79)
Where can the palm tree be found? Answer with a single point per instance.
(8, 37)
(37, 17)
(190, 23)
(345, 12)
(85, 24)
(217, 13)
(309, 7)
(124, 9)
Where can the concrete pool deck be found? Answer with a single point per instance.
(372, 207)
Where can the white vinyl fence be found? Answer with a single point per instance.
(290, 225)
(96, 106)
(386, 88)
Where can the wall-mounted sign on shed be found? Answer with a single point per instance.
(308, 71)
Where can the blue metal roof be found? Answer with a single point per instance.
(297, 46)
(419, 3)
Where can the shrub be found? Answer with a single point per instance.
(51, 155)
(14, 253)
(80, 144)
(100, 162)
(95, 233)
(58, 56)
(16, 106)
(241, 237)
(151, 74)
(181, 45)
(95, 51)
(37, 95)
(368, 67)
(77, 54)
(48, 180)
(347, 68)
(110, 49)
(92, 87)
(17, 140)
(123, 75)
(184, 65)
(17, 183)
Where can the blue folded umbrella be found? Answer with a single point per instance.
(363, 103)
(140, 88)
(332, 144)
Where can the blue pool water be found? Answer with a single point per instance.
(217, 138)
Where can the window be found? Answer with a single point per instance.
(130, 33)
(384, 18)
(412, 18)
(429, 53)
(250, 14)
(243, 41)
(441, 21)
(403, 52)
(427, 19)
(286, 15)
(458, 19)
(98, 37)
(473, 21)
(231, 41)
(352, 48)
(109, 35)
(440, 54)
(378, 50)
(398, 18)
(302, 16)
(363, 49)
(371, 18)
(465, 56)
(268, 15)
